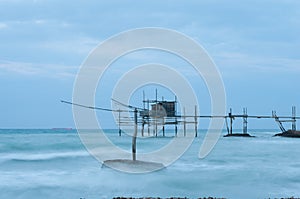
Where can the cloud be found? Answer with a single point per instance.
(40, 21)
(236, 63)
(251, 29)
(75, 45)
(3, 25)
(36, 69)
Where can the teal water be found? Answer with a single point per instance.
(45, 163)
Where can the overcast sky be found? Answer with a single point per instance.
(255, 45)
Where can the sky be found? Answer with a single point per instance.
(254, 44)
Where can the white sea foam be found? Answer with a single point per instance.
(41, 156)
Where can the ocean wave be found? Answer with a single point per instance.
(29, 157)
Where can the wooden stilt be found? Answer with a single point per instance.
(134, 136)
(120, 132)
(245, 122)
(231, 120)
(143, 126)
(196, 122)
(184, 123)
(294, 118)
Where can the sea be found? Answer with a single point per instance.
(53, 163)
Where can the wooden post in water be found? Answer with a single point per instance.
(163, 128)
(120, 131)
(148, 126)
(294, 118)
(231, 120)
(245, 122)
(156, 107)
(134, 135)
(156, 128)
(196, 122)
(143, 127)
(184, 123)
(148, 117)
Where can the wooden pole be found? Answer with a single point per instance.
(148, 116)
(134, 136)
(120, 132)
(143, 126)
(156, 107)
(231, 120)
(184, 122)
(294, 118)
(196, 122)
(156, 128)
(245, 122)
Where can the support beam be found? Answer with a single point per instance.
(148, 118)
(156, 128)
(184, 123)
(120, 131)
(143, 127)
(278, 121)
(148, 127)
(231, 121)
(294, 118)
(196, 122)
(134, 135)
(245, 122)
